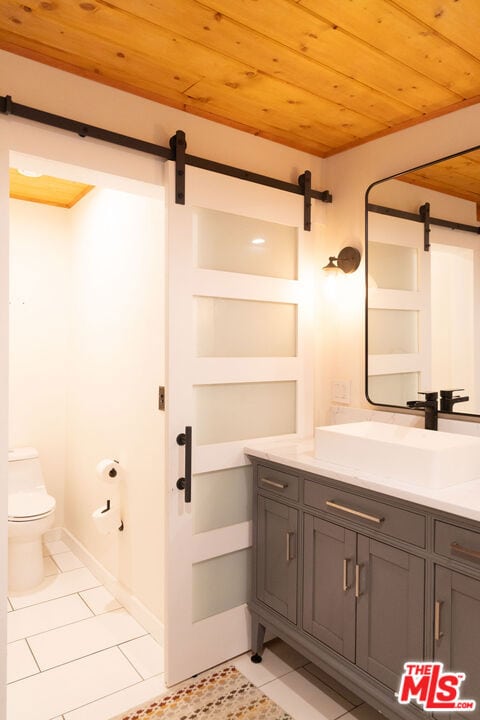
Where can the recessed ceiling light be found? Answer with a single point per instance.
(30, 173)
(258, 241)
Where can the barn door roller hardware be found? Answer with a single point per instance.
(305, 182)
(424, 212)
(176, 152)
(178, 145)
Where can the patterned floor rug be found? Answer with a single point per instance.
(222, 694)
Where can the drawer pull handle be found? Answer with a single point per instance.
(474, 554)
(274, 483)
(438, 607)
(346, 586)
(365, 516)
(357, 581)
(289, 546)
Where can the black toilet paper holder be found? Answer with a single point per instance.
(106, 509)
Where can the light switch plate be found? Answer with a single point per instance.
(341, 391)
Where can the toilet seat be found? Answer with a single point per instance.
(25, 506)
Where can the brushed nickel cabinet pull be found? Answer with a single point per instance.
(358, 513)
(346, 586)
(438, 606)
(274, 483)
(357, 581)
(289, 545)
(474, 554)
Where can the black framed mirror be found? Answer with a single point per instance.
(423, 284)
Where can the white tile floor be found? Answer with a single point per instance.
(75, 654)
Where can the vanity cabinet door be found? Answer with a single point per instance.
(390, 610)
(276, 574)
(457, 632)
(329, 597)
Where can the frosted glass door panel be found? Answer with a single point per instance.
(220, 584)
(392, 332)
(227, 412)
(398, 388)
(245, 328)
(222, 498)
(392, 267)
(234, 243)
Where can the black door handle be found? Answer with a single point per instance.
(185, 483)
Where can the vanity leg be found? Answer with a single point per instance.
(258, 636)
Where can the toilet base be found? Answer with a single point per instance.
(25, 564)
(25, 552)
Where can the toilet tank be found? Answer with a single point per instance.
(24, 470)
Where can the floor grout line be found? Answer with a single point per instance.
(349, 711)
(57, 627)
(52, 558)
(128, 659)
(69, 662)
(33, 655)
(113, 693)
(331, 687)
(96, 652)
(88, 606)
(69, 594)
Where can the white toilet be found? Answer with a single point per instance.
(31, 511)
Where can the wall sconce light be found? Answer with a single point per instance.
(348, 260)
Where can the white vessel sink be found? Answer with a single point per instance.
(426, 458)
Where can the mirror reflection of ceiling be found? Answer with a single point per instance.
(317, 75)
(46, 189)
(458, 176)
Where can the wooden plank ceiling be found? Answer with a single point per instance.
(46, 189)
(317, 75)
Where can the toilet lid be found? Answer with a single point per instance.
(25, 505)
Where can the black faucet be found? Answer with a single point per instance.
(448, 400)
(430, 407)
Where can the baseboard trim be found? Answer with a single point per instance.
(131, 603)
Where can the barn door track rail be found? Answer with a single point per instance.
(176, 152)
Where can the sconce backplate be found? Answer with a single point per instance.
(348, 259)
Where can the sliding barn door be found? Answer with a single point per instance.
(239, 368)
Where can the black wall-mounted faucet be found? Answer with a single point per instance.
(430, 406)
(448, 399)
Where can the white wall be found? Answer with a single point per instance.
(116, 366)
(39, 322)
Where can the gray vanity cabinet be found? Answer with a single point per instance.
(457, 631)
(363, 598)
(390, 610)
(329, 598)
(276, 558)
(361, 582)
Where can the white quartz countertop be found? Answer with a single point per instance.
(462, 499)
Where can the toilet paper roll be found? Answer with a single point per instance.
(108, 470)
(106, 521)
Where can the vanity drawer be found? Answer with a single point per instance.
(278, 482)
(457, 543)
(401, 524)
